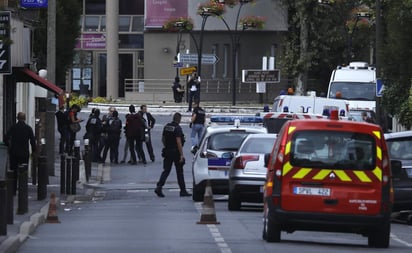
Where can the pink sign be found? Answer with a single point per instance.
(159, 11)
(92, 41)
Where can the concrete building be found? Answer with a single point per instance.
(147, 52)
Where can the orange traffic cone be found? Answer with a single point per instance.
(52, 213)
(208, 215)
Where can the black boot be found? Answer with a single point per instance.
(159, 192)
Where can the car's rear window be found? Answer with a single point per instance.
(258, 145)
(333, 150)
(229, 141)
(400, 148)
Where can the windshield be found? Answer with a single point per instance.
(353, 90)
(333, 150)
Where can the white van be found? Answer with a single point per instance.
(355, 83)
(310, 105)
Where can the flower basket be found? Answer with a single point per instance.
(232, 3)
(211, 8)
(252, 22)
(178, 24)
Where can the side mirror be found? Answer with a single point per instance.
(396, 168)
(267, 157)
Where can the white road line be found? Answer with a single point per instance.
(214, 231)
(394, 237)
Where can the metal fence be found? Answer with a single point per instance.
(155, 90)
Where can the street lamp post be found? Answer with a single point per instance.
(235, 38)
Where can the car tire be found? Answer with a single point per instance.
(271, 230)
(233, 203)
(379, 238)
(198, 193)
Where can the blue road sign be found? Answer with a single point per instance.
(34, 3)
(379, 87)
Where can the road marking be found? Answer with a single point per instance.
(394, 237)
(214, 231)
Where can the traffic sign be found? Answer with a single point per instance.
(193, 58)
(178, 64)
(34, 3)
(379, 87)
(187, 71)
(257, 75)
(5, 49)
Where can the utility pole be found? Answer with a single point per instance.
(51, 76)
(378, 55)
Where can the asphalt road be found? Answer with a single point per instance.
(125, 215)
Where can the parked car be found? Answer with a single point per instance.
(247, 172)
(212, 160)
(400, 148)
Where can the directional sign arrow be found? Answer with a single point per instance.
(193, 58)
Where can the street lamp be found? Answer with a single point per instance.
(351, 32)
(235, 38)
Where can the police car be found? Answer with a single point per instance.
(220, 140)
(329, 175)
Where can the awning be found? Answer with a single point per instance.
(27, 75)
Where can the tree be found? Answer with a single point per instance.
(68, 14)
(397, 59)
(328, 38)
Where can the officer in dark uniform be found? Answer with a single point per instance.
(17, 140)
(173, 140)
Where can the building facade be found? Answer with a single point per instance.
(147, 53)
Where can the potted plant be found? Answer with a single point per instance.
(211, 8)
(178, 23)
(252, 22)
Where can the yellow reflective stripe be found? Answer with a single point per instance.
(378, 173)
(287, 148)
(377, 134)
(286, 168)
(342, 175)
(321, 174)
(362, 176)
(302, 173)
(379, 152)
(291, 129)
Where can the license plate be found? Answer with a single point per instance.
(311, 191)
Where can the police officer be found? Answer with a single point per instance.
(173, 140)
(197, 124)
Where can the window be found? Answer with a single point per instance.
(333, 150)
(226, 141)
(214, 51)
(124, 23)
(226, 49)
(91, 23)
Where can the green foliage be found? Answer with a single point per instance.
(328, 36)
(397, 55)
(99, 100)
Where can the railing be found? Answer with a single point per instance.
(155, 90)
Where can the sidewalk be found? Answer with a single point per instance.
(25, 224)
